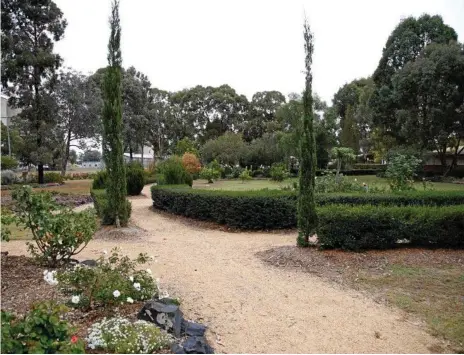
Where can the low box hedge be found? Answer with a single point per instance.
(100, 203)
(365, 227)
(356, 224)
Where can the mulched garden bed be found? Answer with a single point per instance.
(23, 285)
(336, 265)
(63, 199)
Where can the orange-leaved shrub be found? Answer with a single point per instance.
(191, 163)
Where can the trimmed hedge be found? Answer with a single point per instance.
(357, 227)
(364, 227)
(100, 203)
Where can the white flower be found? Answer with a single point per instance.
(130, 300)
(50, 278)
(116, 293)
(75, 299)
(60, 241)
(355, 179)
(104, 252)
(45, 272)
(137, 286)
(131, 278)
(149, 271)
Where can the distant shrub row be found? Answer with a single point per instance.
(349, 222)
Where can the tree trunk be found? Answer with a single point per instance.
(142, 157)
(40, 173)
(66, 154)
(130, 152)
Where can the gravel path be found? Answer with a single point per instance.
(251, 307)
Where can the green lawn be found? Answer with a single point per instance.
(255, 184)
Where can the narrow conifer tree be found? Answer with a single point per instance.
(307, 217)
(112, 124)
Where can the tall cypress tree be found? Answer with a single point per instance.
(307, 217)
(112, 124)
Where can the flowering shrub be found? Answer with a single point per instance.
(58, 232)
(40, 331)
(119, 335)
(330, 182)
(114, 280)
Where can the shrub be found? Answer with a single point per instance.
(278, 172)
(235, 172)
(58, 232)
(173, 171)
(245, 175)
(120, 336)
(114, 280)
(191, 163)
(210, 174)
(53, 177)
(8, 177)
(134, 178)
(364, 227)
(275, 209)
(369, 166)
(40, 331)
(100, 179)
(100, 202)
(401, 171)
(8, 163)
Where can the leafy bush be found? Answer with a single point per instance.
(100, 202)
(245, 175)
(275, 209)
(53, 177)
(120, 336)
(114, 280)
(8, 163)
(210, 174)
(329, 182)
(369, 166)
(364, 227)
(401, 171)
(8, 177)
(100, 180)
(191, 163)
(173, 171)
(278, 172)
(135, 178)
(40, 331)
(58, 232)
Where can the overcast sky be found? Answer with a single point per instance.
(252, 45)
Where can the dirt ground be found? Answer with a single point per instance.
(250, 306)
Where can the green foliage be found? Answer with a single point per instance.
(58, 232)
(307, 216)
(328, 182)
(100, 180)
(173, 170)
(8, 163)
(100, 201)
(265, 209)
(342, 155)
(120, 336)
(276, 209)
(401, 172)
(364, 227)
(185, 145)
(117, 204)
(91, 287)
(349, 136)
(227, 149)
(278, 172)
(40, 331)
(210, 174)
(8, 177)
(135, 178)
(245, 175)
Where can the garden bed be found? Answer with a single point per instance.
(426, 283)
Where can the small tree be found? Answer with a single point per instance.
(245, 175)
(307, 217)
(342, 155)
(112, 123)
(191, 163)
(401, 171)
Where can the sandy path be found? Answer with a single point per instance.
(251, 307)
